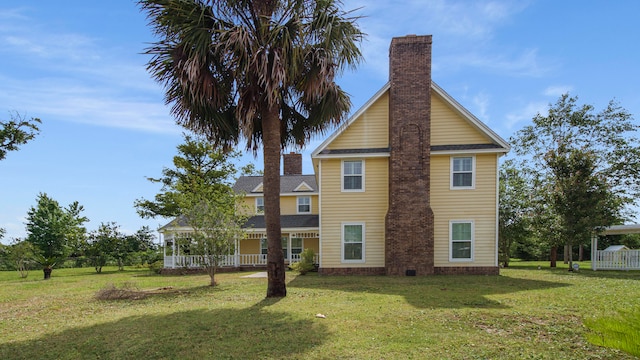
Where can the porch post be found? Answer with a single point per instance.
(594, 251)
(173, 250)
(236, 252)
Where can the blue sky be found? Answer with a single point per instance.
(78, 65)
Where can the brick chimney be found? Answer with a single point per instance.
(409, 221)
(292, 163)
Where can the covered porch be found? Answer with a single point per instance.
(250, 251)
(619, 258)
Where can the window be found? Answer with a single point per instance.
(461, 240)
(304, 204)
(462, 169)
(353, 175)
(353, 242)
(296, 246)
(260, 205)
(263, 246)
(284, 242)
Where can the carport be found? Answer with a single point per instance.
(620, 258)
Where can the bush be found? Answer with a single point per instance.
(306, 262)
(156, 266)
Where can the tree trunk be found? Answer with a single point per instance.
(581, 253)
(271, 188)
(566, 254)
(570, 248)
(212, 275)
(47, 272)
(553, 256)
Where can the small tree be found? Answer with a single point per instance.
(217, 226)
(49, 228)
(20, 253)
(101, 244)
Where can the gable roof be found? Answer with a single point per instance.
(499, 144)
(289, 184)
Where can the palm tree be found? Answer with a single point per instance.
(262, 71)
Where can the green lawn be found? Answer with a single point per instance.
(525, 313)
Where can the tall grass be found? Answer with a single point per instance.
(619, 332)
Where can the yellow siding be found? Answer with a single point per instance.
(449, 128)
(288, 204)
(478, 205)
(249, 205)
(251, 246)
(311, 244)
(370, 130)
(369, 207)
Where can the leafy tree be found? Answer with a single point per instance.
(17, 131)
(514, 211)
(141, 246)
(259, 70)
(216, 223)
(581, 198)
(200, 191)
(101, 244)
(20, 253)
(50, 228)
(571, 152)
(198, 164)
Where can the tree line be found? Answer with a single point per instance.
(575, 172)
(57, 237)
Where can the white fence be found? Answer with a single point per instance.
(196, 261)
(616, 260)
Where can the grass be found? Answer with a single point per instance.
(524, 313)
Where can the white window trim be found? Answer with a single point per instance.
(342, 176)
(473, 236)
(342, 243)
(298, 205)
(258, 211)
(473, 173)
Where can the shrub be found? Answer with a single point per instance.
(156, 266)
(306, 262)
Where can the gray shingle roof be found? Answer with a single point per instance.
(286, 221)
(257, 222)
(288, 183)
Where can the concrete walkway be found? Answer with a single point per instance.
(262, 274)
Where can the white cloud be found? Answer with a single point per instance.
(72, 77)
(525, 113)
(481, 102)
(557, 90)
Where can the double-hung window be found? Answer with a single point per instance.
(461, 240)
(304, 204)
(353, 242)
(353, 175)
(462, 172)
(260, 205)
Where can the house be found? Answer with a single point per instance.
(407, 186)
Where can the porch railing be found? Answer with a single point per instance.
(617, 260)
(195, 261)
